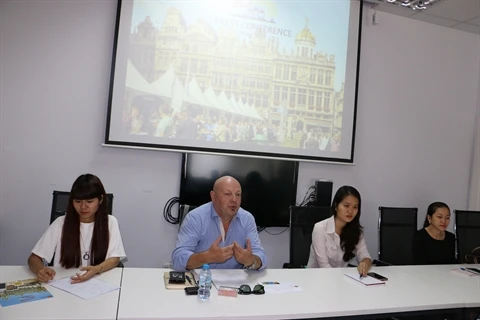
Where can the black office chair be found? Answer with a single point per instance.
(302, 221)
(60, 205)
(467, 230)
(183, 210)
(395, 224)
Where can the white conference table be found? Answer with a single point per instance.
(325, 293)
(63, 305)
(460, 288)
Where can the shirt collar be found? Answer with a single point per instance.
(330, 227)
(214, 214)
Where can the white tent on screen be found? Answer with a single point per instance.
(250, 109)
(243, 109)
(136, 82)
(194, 95)
(253, 111)
(213, 100)
(225, 103)
(235, 107)
(177, 95)
(165, 84)
(169, 86)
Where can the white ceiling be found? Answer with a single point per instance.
(457, 14)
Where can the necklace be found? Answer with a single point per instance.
(86, 255)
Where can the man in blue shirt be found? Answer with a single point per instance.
(219, 233)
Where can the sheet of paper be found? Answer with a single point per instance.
(228, 277)
(86, 290)
(367, 281)
(280, 287)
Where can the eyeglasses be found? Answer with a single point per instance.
(245, 289)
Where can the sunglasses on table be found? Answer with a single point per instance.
(245, 289)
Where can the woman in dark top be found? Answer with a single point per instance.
(433, 244)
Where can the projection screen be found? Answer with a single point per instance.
(257, 78)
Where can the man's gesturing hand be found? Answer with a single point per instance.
(243, 256)
(219, 254)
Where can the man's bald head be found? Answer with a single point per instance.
(221, 182)
(226, 197)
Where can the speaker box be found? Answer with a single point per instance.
(323, 193)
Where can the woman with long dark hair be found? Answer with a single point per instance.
(86, 237)
(338, 239)
(433, 244)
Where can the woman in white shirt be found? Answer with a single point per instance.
(86, 237)
(338, 239)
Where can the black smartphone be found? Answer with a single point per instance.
(377, 276)
(190, 291)
(474, 270)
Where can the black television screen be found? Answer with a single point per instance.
(269, 186)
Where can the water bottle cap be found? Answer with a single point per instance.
(206, 266)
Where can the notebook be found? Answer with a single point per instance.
(366, 281)
(465, 272)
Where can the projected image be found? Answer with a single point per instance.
(265, 76)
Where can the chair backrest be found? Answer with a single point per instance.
(302, 221)
(183, 210)
(396, 230)
(467, 230)
(60, 204)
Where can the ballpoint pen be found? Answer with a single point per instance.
(469, 271)
(189, 280)
(194, 280)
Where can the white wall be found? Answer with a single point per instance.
(474, 196)
(415, 127)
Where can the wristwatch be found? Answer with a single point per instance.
(253, 266)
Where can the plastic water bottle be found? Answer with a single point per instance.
(204, 283)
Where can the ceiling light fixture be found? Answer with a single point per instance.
(413, 4)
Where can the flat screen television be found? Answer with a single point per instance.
(269, 186)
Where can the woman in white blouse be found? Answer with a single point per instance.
(338, 239)
(86, 237)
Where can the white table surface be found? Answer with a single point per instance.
(63, 305)
(460, 288)
(326, 293)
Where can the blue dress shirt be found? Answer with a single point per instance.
(201, 228)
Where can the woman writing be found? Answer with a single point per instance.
(86, 237)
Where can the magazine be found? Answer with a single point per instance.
(22, 291)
